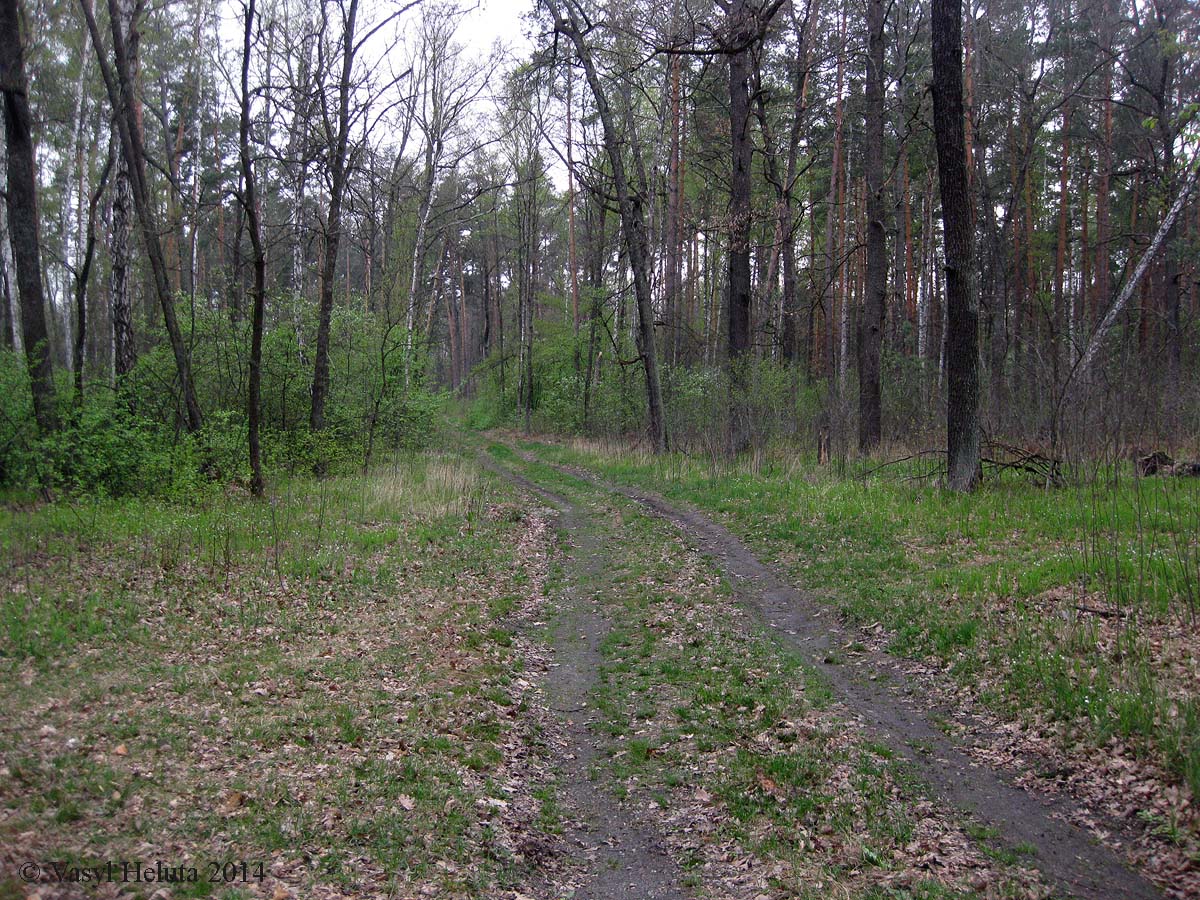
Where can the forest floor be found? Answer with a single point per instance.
(530, 670)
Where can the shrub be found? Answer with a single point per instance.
(18, 461)
(104, 450)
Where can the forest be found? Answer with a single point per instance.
(667, 231)
(561, 448)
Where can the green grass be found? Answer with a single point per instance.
(693, 697)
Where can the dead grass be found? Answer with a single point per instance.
(446, 486)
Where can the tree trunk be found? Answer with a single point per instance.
(118, 279)
(768, 283)
(259, 290)
(789, 305)
(962, 311)
(417, 273)
(870, 334)
(633, 226)
(73, 183)
(120, 88)
(1172, 274)
(674, 269)
(1061, 314)
(738, 254)
(529, 172)
(1100, 289)
(125, 352)
(845, 274)
(595, 219)
(1161, 238)
(83, 273)
(925, 295)
(333, 225)
(571, 255)
(8, 316)
(910, 275)
(833, 250)
(21, 202)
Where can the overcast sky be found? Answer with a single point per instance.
(496, 20)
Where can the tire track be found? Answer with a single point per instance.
(625, 859)
(874, 688)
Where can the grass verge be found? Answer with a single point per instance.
(1068, 612)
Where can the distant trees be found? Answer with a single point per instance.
(122, 93)
(713, 224)
(529, 182)
(567, 21)
(447, 86)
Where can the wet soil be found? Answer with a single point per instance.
(622, 857)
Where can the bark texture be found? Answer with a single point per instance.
(962, 305)
(21, 201)
(124, 350)
(259, 290)
(738, 254)
(870, 334)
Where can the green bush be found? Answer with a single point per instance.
(104, 450)
(132, 441)
(696, 396)
(484, 412)
(18, 461)
(225, 443)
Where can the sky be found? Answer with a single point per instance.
(502, 20)
(485, 23)
(494, 20)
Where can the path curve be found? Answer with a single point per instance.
(873, 688)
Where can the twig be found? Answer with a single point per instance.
(892, 462)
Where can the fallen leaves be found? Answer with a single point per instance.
(769, 786)
(1128, 800)
(326, 691)
(232, 802)
(741, 823)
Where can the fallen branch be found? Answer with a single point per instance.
(1047, 469)
(1097, 611)
(894, 462)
